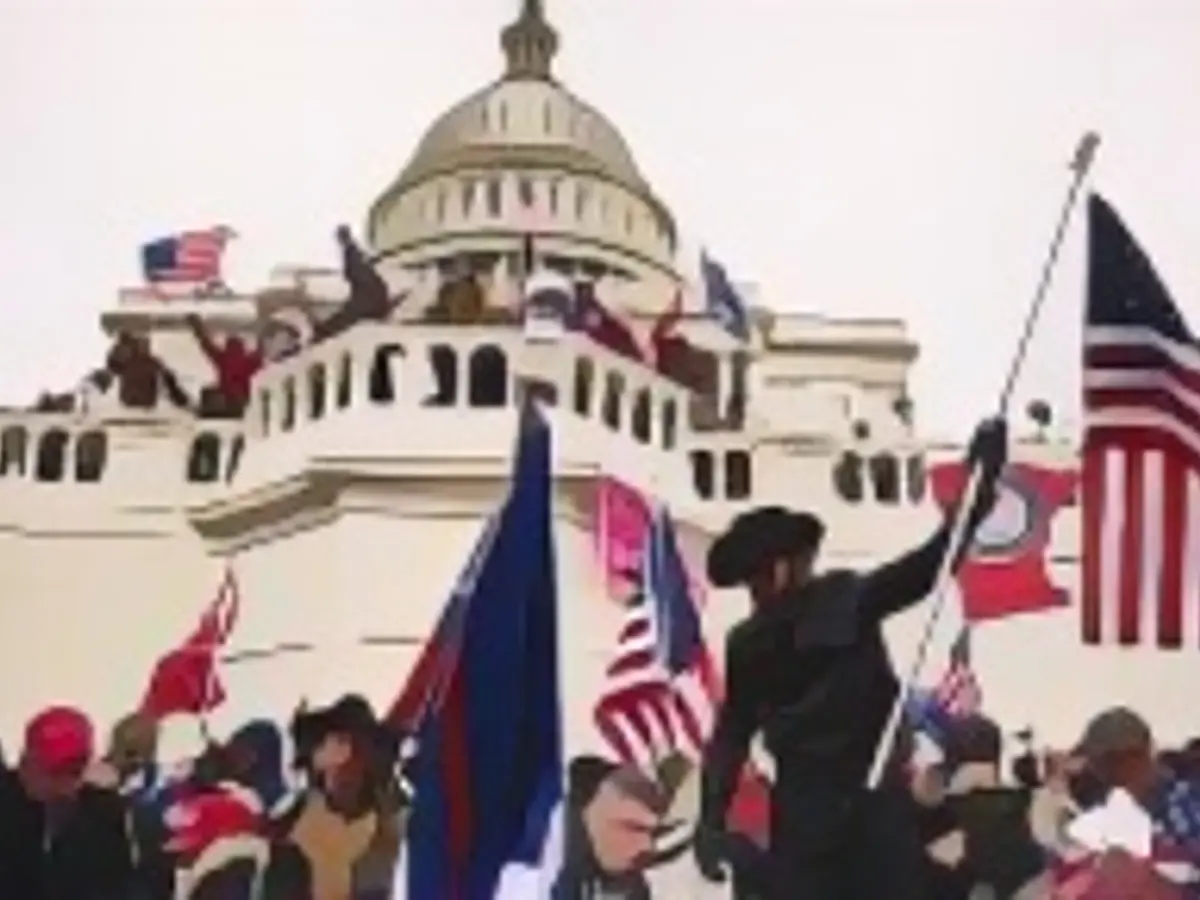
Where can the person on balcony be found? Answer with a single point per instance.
(235, 365)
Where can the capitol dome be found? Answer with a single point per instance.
(525, 156)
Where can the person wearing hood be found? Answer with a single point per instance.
(809, 669)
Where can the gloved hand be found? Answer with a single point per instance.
(708, 845)
(989, 448)
(988, 451)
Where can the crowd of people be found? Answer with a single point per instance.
(319, 811)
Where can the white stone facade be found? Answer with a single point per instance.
(348, 511)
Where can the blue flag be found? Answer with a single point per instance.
(678, 635)
(724, 302)
(488, 773)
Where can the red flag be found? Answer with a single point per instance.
(185, 679)
(1006, 573)
(603, 325)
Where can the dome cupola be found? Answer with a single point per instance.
(530, 43)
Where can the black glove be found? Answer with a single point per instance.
(989, 448)
(987, 452)
(708, 845)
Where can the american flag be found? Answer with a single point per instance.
(958, 693)
(191, 257)
(1141, 451)
(660, 693)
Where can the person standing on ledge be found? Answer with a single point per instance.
(810, 670)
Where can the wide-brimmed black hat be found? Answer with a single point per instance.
(757, 537)
(350, 715)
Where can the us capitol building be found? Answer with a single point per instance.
(347, 503)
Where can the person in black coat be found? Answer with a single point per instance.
(61, 838)
(810, 670)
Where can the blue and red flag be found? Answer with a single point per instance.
(489, 767)
(1006, 571)
(427, 680)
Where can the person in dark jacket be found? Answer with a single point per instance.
(810, 670)
(369, 299)
(60, 838)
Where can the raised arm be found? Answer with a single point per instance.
(204, 339)
(905, 581)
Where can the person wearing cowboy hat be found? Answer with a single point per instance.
(809, 670)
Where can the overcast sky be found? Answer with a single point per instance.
(855, 158)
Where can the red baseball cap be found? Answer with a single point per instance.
(58, 740)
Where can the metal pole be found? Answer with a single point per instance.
(1081, 163)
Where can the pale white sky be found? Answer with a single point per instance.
(858, 158)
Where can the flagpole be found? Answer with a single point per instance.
(1081, 163)
(228, 590)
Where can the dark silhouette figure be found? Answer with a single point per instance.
(368, 298)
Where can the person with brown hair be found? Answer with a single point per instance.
(344, 829)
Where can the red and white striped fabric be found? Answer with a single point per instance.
(643, 714)
(1141, 458)
(958, 693)
(1080, 876)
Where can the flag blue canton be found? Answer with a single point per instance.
(1123, 286)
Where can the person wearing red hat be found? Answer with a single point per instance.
(60, 838)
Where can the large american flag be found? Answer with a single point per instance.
(660, 691)
(1141, 451)
(191, 257)
(958, 693)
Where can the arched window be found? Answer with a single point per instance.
(382, 387)
(264, 410)
(468, 197)
(236, 448)
(443, 362)
(552, 197)
(316, 391)
(440, 205)
(493, 198)
(614, 387)
(885, 477)
(289, 404)
(738, 484)
(915, 476)
(204, 458)
(525, 192)
(504, 117)
(547, 118)
(848, 477)
(641, 416)
(581, 201)
(487, 377)
(585, 376)
(702, 473)
(51, 456)
(91, 455)
(345, 381)
(670, 421)
(14, 450)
